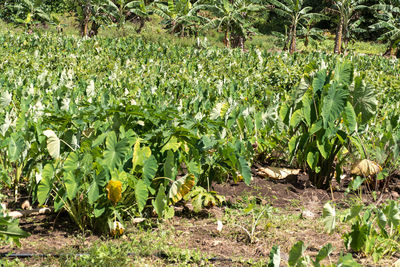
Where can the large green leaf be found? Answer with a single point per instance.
(364, 99)
(392, 212)
(93, 193)
(45, 184)
(324, 252)
(312, 159)
(319, 81)
(115, 151)
(296, 118)
(245, 170)
(53, 143)
(71, 163)
(14, 149)
(160, 202)
(150, 169)
(169, 165)
(308, 105)
(296, 252)
(334, 103)
(347, 261)
(349, 117)
(141, 194)
(9, 228)
(329, 217)
(172, 144)
(358, 234)
(140, 155)
(344, 73)
(71, 185)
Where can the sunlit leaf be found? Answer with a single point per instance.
(53, 143)
(329, 217)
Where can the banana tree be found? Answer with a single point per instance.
(233, 18)
(28, 12)
(310, 33)
(388, 15)
(346, 11)
(179, 16)
(90, 15)
(297, 14)
(120, 10)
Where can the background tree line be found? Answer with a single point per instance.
(238, 20)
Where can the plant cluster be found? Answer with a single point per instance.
(374, 229)
(153, 124)
(236, 19)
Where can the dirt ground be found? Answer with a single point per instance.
(55, 234)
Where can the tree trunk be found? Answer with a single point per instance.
(226, 39)
(141, 25)
(94, 29)
(285, 47)
(389, 51)
(293, 40)
(306, 41)
(85, 20)
(339, 37)
(183, 31)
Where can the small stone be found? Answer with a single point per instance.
(307, 214)
(219, 226)
(216, 243)
(26, 205)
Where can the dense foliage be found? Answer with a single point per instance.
(238, 20)
(161, 119)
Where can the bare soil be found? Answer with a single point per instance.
(56, 234)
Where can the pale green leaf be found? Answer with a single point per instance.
(53, 143)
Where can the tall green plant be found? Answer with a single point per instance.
(233, 18)
(324, 113)
(179, 16)
(346, 11)
(388, 14)
(27, 12)
(294, 11)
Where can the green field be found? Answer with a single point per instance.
(150, 148)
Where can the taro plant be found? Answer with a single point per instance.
(9, 229)
(325, 112)
(256, 214)
(298, 259)
(374, 230)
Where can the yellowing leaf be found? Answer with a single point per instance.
(114, 191)
(140, 155)
(276, 173)
(172, 144)
(117, 229)
(366, 168)
(181, 187)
